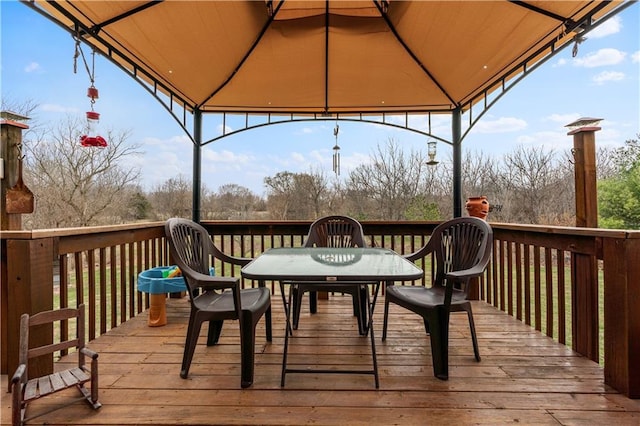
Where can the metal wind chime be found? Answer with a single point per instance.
(336, 152)
(91, 137)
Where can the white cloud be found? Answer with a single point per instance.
(563, 119)
(297, 157)
(606, 76)
(319, 157)
(500, 125)
(440, 123)
(180, 139)
(602, 57)
(227, 129)
(608, 27)
(58, 108)
(225, 156)
(560, 63)
(149, 141)
(548, 140)
(32, 67)
(635, 57)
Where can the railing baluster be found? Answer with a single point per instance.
(509, 262)
(113, 286)
(519, 284)
(536, 286)
(527, 283)
(91, 268)
(63, 286)
(548, 268)
(562, 313)
(102, 259)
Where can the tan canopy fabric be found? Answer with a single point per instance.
(327, 56)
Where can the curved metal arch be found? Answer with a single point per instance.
(321, 117)
(587, 24)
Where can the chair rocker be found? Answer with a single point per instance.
(462, 249)
(25, 389)
(215, 299)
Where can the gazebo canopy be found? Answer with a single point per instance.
(327, 57)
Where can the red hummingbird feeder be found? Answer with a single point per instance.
(93, 118)
(91, 138)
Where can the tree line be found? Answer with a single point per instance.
(75, 186)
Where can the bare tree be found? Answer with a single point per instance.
(312, 190)
(74, 185)
(391, 181)
(297, 195)
(232, 201)
(172, 198)
(536, 185)
(279, 194)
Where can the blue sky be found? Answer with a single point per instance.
(603, 81)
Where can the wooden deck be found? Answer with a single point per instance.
(524, 377)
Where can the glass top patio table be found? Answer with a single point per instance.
(334, 265)
(354, 266)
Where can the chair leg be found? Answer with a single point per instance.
(193, 330)
(356, 304)
(94, 384)
(267, 319)
(364, 309)
(297, 305)
(361, 302)
(215, 329)
(313, 302)
(474, 338)
(386, 318)
(247, 349)
(439, 327)
(426, 325)
(17, 408)
(88, 398)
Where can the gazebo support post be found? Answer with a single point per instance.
(456, 139)
(197, 165)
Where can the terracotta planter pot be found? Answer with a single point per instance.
(478, 207)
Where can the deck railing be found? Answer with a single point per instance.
(577, 285)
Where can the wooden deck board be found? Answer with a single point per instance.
(524, 377)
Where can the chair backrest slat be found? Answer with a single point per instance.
(335, 231)
(461, 243)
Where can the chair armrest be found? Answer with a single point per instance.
(235, 260)
(464, 274)
(218, 254)
(422, 252)
(208, 282)
(88, 352)
(17, 376)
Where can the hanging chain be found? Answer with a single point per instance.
(90, 72)
(80, 53)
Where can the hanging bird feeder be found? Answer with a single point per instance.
(336, 152)
(92, 136)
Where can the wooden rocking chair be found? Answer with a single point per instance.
(26, 389)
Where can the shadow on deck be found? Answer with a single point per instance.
(524, 376)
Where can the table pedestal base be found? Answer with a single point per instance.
(157, 310)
